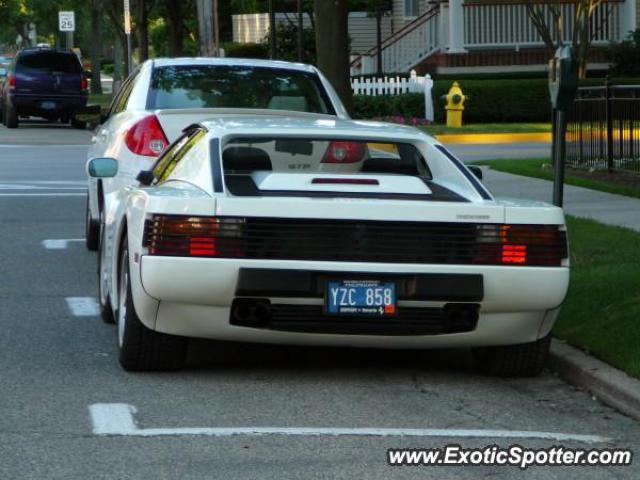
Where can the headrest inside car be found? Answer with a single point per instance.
(245, 159)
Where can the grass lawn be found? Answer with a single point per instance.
(489, 128)
(533, 167)
(104, 99)
(602, 309)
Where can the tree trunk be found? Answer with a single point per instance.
(142, 30)
(96, 45)
(174, 24)
(332, 38)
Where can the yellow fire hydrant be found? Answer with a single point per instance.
(455, 105)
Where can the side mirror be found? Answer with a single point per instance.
(102, 167)
(477, 171)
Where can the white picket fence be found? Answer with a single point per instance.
(388, 85)
(396, 86)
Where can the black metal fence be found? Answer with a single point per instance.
(603, 129)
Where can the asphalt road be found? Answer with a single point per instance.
(56, 365)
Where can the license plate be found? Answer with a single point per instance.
(48, 105)
(361, 297)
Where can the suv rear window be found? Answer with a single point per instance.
(50, 62)
(223, 86)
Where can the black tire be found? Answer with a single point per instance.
(140, 348)
(79, 124)
(91, 230)
(104, 300)
(11, 116)
(523, 360)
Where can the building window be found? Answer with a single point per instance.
(410, 8)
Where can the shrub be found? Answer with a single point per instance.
(245, 50)
(626, 55)
(489, 101)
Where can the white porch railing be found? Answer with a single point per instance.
(405, 48)
(487, 26)
(509, 25)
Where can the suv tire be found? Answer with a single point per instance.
(11, 116)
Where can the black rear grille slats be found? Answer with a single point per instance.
(372, 241)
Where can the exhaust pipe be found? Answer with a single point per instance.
(250, 312)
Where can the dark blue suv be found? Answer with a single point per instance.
(44, 82)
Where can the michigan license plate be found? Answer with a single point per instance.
(48, 105)
(361, 297)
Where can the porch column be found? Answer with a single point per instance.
(456, 27)
(628, 18)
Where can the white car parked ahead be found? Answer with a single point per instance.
(163, 96)
(322, 231)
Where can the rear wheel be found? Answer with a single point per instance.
(91, 230)
(11, 116)
(142, 349)
(523, 360)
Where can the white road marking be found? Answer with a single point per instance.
(59, 243)
(18, 145)
(116, 419)
(56, 194)
(83, 306)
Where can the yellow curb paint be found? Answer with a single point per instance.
(495, 137)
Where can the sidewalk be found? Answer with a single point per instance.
(606, 208)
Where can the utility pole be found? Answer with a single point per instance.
(300, 31)
(216, 28)
(272, 29)
(127, 32)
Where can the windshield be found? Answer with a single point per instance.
(225, 86)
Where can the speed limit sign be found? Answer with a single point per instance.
(67, 21)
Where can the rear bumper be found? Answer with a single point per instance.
(27, 104)
(512, 305)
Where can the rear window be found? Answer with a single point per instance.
(349, 157)
(329, 168)
(222, 86)
(50, 62)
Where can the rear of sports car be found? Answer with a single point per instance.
(333, 241)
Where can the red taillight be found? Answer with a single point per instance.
(11, 80)
(530, 245)
(514, 253)
(176, 235)
(344, 152)
(84, 83)
(146, 137)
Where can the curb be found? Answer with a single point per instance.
(610, 385)
(489, 138)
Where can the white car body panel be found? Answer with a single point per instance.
(192, 296)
